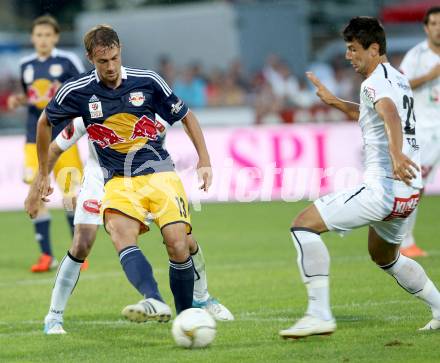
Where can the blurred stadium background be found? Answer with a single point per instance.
(239, 64)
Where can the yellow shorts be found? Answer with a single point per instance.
(159, 197)
(68, 169)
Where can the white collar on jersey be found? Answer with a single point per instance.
(123, 74)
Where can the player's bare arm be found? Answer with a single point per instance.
(430, 76)
(402, 165)
(31, 203)
(351, 109)
(44, 135)
(195, 134)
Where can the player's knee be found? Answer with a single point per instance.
(303, 220)
(382, 258)
(177, 250)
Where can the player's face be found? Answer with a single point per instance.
(359, 57)
(107, 61)
(44, 38)
(432, 29)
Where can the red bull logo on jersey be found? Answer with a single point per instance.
(41, 91)
(136, 99)
(103, 135)
(125, 132)
(144, 127)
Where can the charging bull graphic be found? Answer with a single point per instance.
(145, 127)
(125, 132)
(103, 135)
(41, 91)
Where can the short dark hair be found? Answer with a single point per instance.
(431, 10)
(46, 20)
(101, 35)
(366, 30)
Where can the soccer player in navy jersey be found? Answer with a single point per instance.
(41, 74)
(87, 221)
(118, 106)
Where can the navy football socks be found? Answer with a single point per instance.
(41, 226)
(139, 272)
(182, 283)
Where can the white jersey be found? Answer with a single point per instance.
(387, 82)
(70, 136)
(416, 63)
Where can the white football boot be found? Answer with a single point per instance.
(218, 311)
(147, 310)
(434, 324)
(309, 325)
(53, 327)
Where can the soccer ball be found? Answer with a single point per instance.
(193, 328)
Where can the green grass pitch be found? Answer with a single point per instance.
(251, 265)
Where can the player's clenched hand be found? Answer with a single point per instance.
(321, 91)
(204, 173)
(44, 188)
(15, 101)
(32, 201)
(403, 167)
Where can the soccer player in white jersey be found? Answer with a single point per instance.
(421, 65)
(384, 200)
(87, 221)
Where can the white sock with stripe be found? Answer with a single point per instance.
(65, 281)
(314, 265)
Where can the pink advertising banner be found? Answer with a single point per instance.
(296, 162)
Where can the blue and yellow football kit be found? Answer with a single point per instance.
(40, 80)
(121, 123)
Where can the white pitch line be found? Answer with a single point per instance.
(257, 316)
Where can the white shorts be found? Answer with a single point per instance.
(88, 203)
(383, 204)
(429, 141)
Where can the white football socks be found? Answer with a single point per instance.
(412, 277)
(65, 281)
(200, 280)
(314, 265)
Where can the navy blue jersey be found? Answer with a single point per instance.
(41, 79)
(121, 122)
